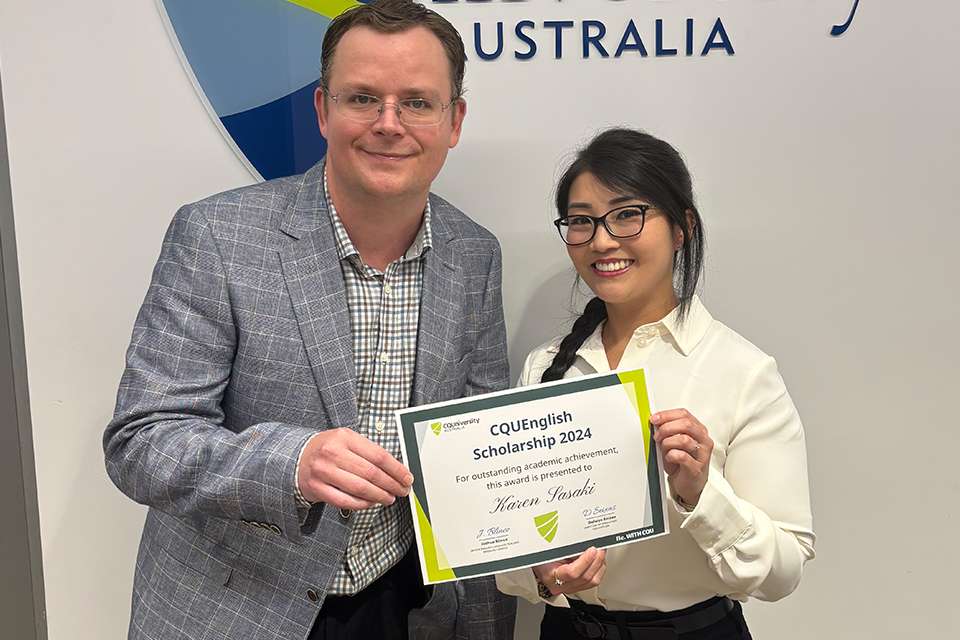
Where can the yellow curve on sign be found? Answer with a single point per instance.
(329, 8)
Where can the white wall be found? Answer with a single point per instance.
(824, 169)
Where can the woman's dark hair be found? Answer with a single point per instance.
(635, 163)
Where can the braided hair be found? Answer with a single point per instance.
(593, 314)
(635, 163)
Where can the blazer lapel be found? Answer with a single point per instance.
(311, 270)
(441, 311)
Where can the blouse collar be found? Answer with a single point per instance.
(683, 336)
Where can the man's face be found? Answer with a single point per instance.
(386, 158)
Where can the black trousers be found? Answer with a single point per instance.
(379, 611)
(559, 623)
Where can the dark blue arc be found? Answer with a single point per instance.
(840, 29)
(279, 138)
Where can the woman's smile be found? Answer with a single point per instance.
(611, 267)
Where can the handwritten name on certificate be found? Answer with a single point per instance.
(522, 477)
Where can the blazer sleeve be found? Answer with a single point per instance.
(167, 446)
(490, 370)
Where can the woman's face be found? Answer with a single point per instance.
(635, 274)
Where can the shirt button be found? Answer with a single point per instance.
(384, 358)
(379, 426)
(312, 595)
(345, 513)
(388, 289)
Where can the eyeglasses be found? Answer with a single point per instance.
(626, 222)
(413, 112)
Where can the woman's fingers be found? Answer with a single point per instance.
(591, 576)
(686, 424)
(678, 429)
(682, 442)
(581, 574)
(687, 448)
(573, 570)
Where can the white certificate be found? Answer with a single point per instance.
(522, 477)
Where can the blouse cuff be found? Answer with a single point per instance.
(523, 583)
(716, 522)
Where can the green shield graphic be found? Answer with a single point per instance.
(547, 525)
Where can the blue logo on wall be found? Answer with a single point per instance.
(256, 64)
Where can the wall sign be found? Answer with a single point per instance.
(255, 64)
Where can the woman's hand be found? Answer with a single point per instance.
(686, 448)
(571, 575)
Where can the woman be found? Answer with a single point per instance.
(731, 439)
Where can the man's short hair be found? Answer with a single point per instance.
(394, 16)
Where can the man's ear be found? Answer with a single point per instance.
(320, 104)
(459, 109)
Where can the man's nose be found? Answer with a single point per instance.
(388, 120)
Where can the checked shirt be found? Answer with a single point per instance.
(384, 316)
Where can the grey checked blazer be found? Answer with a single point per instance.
(242, 351)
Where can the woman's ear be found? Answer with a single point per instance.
(679, 237)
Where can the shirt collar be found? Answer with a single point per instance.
(346, 248)
(685, 336)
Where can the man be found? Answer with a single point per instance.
(284, 324)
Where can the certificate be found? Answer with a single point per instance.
(522, 477)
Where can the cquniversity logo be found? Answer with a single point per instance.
(255, 65)
(436, 427)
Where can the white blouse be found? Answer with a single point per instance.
(751, 531)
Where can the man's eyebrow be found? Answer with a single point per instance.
(421, 92)
(358, 87)
(361, 87)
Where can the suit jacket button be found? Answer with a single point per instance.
(312, 595)
(344, 513)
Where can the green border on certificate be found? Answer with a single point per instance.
(431, 421)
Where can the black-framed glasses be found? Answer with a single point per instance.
(621, 222)
(414, 112)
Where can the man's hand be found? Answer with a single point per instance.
(342, 468)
